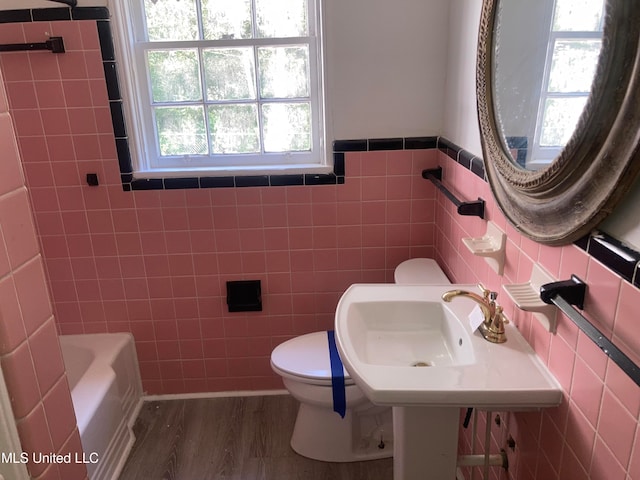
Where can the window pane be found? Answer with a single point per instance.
(282, 18)
(561, 116)
(234, 128)
(175, 75)
(226, 20)
(284, 72)
(578, 15)
(287, 127)
(181, 131)
(171, 20)
(229, 73)
(573, 65)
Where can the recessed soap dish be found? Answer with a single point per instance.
(491, 246)
(526, 296)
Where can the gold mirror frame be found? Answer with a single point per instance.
(566, 200)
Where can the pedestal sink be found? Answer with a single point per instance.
(406, 348)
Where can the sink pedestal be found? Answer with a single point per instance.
(425, 442)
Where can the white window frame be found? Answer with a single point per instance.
(130, 43)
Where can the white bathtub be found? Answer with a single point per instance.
(106, 390)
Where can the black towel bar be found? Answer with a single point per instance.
(566, 293)
(55, 44)
(464, 208)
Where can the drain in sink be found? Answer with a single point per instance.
(421, 364)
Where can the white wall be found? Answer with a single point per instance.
(461, 117)
(385, 66)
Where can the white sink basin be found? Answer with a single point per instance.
(408, 334)
(404, 346)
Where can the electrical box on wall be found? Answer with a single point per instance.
(244, 296)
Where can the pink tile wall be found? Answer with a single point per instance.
(155, 263)
(29, 349)
(592, 434)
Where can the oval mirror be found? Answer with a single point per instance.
(558, 91)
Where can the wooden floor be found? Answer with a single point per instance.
(239, 438)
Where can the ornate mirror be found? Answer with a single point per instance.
(558, 87)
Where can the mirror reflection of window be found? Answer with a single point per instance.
(574, 45)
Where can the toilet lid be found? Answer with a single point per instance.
(306, 356)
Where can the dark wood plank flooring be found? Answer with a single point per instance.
(236, 438)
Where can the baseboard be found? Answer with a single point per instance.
(190, 396)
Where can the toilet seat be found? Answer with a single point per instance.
(306, 359)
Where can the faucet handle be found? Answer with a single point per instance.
(488, 295)
(485, 291)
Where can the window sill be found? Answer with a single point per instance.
(237, 177)
(236, 171)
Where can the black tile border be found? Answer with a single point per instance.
(50, 14)
(252, 181)
(338, 164)
(144, 184)
(90, 13)
(16, 16)
(420, 143)
(465, 158)
(617, 256)
(286, 180)
(620, 258)
(53, 14)
(386, 144)
(520, 145)
(217, 182)
(361, 145)
(107, 48)
(394, 143)
(181, 183)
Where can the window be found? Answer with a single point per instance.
(572, 57)
(226, 86)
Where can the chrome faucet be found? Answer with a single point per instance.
(492, 328)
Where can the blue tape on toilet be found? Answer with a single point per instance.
(337, 377)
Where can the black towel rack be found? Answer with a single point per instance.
(475, 208)
(564, 295)
(55, 44)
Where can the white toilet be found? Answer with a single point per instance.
(366, 431)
